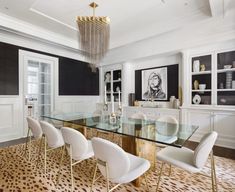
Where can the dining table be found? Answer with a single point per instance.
(138, 136)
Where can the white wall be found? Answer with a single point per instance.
(11, 107)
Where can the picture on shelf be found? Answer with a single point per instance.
(154, 84)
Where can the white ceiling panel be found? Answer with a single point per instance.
(131, 20)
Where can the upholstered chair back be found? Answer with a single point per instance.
(77, 142)
(168, 130)
(204, 148)
(53, 135)
(35, 127)
(114, 156)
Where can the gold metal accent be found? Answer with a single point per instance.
(159, 177)
(94, 36)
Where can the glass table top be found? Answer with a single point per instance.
(155, 131)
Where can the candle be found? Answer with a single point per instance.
(105, 95)
(112, 100)
(119, 98)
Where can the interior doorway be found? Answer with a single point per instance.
(38, 83)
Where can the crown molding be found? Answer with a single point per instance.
(19, 27)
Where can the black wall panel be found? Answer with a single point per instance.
(172, 82)
(75, 77)
(9, 70)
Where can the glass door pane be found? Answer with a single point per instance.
(39, 90)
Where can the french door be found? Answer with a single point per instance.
(38, 83)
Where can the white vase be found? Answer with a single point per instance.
(196, 66)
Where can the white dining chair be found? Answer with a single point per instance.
(78, 147)
(35, 130)
(192, 161)
(53, 139)
(116, 165)
(167, 135)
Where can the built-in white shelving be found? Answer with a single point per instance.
(201, 73)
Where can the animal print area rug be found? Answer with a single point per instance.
(17, 173)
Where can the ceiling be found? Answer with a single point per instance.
(131, 20)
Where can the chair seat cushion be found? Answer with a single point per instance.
(138, 166)
(179, 157)
(88, 154)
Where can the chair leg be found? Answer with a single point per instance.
(159, 177)
(39, 151)
(45, 156)
(107, 177)
(170, 170)
(213, 174)
(146, 182)
(94, 175)
(26, 143)
(60, 165)
(71, 167)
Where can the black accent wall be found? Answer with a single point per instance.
(75, 77)
(172, 82)
(9, 70)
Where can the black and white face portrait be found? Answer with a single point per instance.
(154, 84)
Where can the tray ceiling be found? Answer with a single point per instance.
(131, 20)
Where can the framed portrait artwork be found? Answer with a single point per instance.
(154, 84)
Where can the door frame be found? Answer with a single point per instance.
(24, 56)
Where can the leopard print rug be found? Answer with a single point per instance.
(18, 173)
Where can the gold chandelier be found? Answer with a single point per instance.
(94, 37)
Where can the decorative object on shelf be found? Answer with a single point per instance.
(136, 103)
(233, 84)
(233, 64)
(94, 37)
(196, 85)
(107, 77)
(202, 86)
(203, 67)
(196, 66)
(197, 99)
(229, 77)
(117, 89)
(221, 86)
(119, 75)
(227, 66)
(176, 103)
(131, 99)
(172, 101)
(222, 100)
(180, 94)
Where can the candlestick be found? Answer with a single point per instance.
(119, 98)
(112, 102)
(105, 95)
